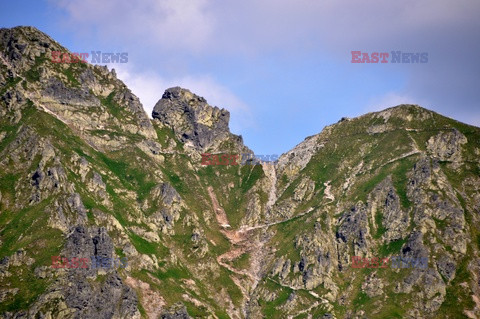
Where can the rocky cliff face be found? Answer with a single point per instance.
(85, 174)
(194, 122)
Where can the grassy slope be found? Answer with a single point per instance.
(342, 145)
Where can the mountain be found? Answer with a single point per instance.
(85, 173)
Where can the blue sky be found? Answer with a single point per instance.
(281, 67)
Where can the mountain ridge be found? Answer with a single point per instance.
(85, 173)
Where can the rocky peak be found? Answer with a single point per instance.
(88, 98)
(192, 119)
(20, 46)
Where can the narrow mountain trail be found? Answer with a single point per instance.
(413, 152)
(320, 300)
(249, 228)
(243, 240)
(240, 239)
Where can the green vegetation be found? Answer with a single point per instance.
(270, 307)
(380, 228)
(285, 237)
(174, 273)
(232, 199)
(30, 286)
(400, 181)
(225, 281)
(71, 76)
(112, 107)
(11, 82)
(177, 182)
(391, 248)
(145, 247)
(242, 262)
(27, 229)
(360, 300)
(196, 311)
(441, 223)
(120, 253)
(165, 135)
(130, 176)
(91, 218)
(33, 74)
(7, 182)
(458, 297)
(250, 176)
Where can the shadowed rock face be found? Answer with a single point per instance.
(177, 311)
(111, 298)
(191, 118)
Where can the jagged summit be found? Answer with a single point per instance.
(88, 98)
(192, 119)
(23, 44)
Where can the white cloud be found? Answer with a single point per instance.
(169, 24)
(148, 87)
(257, 26)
